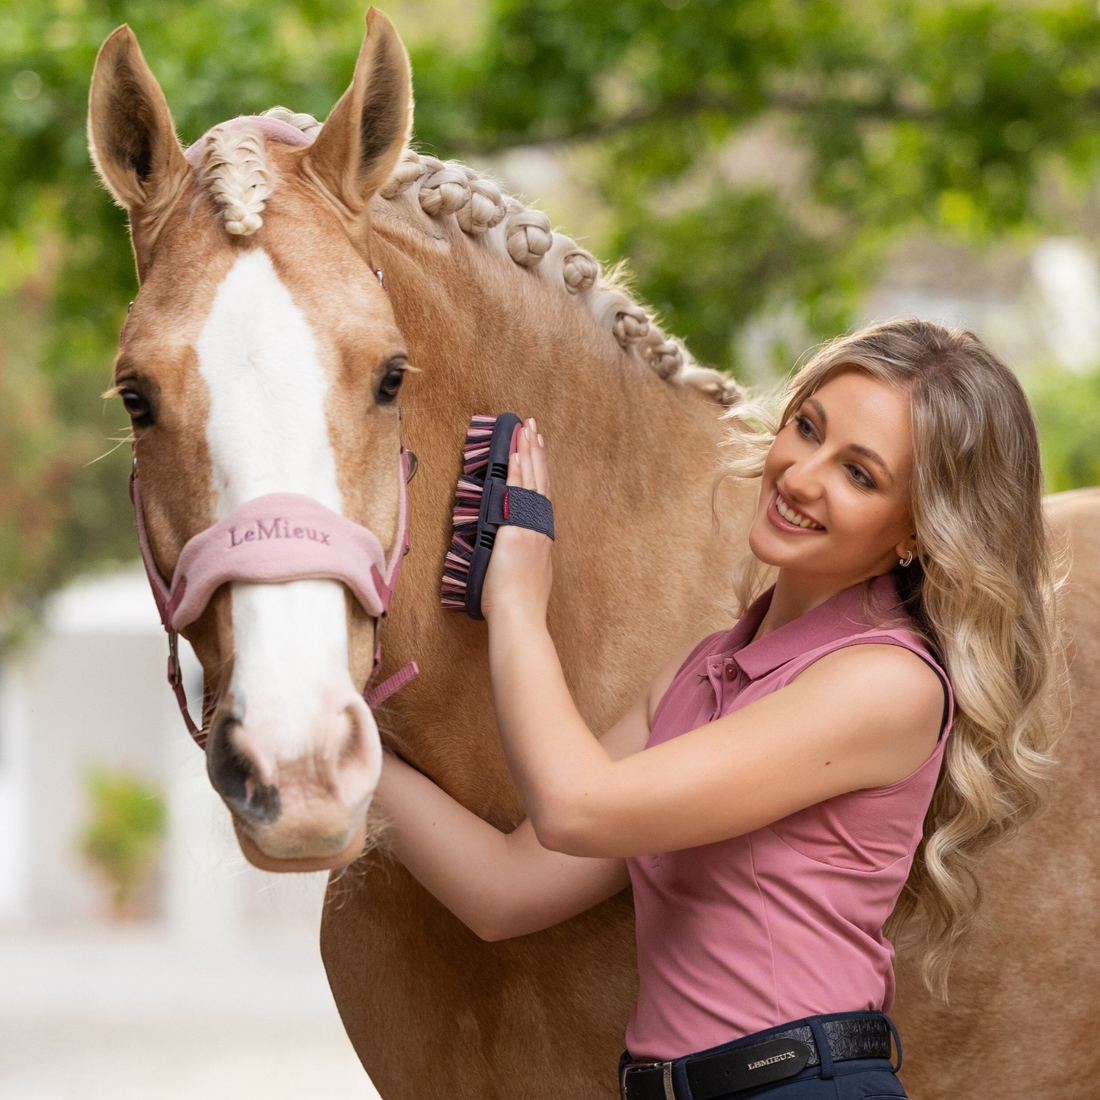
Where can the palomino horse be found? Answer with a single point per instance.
(262, 356)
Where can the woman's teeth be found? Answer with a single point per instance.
(793, 517)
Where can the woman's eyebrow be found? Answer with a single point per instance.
(874, 456)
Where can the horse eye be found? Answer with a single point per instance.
(137, 407)
(391, 383)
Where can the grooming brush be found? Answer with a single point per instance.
(485, 501)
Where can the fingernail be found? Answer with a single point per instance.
(540, 439)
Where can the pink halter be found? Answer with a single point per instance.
(275, 538)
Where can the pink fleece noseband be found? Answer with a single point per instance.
(276, 538)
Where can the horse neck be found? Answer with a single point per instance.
(490, 336)
(631, 458)
(489, 332)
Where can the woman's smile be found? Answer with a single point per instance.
(794, 521)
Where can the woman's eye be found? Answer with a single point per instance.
(136, 406)
(861, 477)
(391, 383)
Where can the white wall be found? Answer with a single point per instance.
(15, 902)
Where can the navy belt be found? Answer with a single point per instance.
(778, 1053)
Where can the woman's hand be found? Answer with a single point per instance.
(519, 576)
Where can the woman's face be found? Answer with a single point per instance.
(844, 461)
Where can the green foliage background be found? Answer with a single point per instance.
(124, 830)
(973, 120)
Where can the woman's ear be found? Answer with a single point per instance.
(363, 138)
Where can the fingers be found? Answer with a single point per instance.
(528, 466)
(540, 461)
(519, 463)
(540, 469)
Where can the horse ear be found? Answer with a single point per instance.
(131, 137)
(363, 138)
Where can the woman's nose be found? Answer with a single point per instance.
(802, 481)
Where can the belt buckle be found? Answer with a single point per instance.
(666, 1077)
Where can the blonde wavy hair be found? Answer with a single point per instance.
(984, 591)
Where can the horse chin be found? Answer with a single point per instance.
(281, 864)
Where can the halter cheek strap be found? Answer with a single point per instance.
(276, 538)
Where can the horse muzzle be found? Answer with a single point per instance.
(309, 808)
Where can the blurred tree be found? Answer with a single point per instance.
(896, 113)
(1067, 405)
(123, 834)
(904, 113)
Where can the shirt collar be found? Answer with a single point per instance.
(837, 617)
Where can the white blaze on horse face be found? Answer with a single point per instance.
(267, 433)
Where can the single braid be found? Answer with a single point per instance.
(580, 270)
(664, 355)
(409, 169)
(631, 324)
(445, 189)
(485, 208)
(238, 176)
(528, 235)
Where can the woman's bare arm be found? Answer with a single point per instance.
(859, 717)
(499, 884)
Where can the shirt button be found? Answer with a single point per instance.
(731, 672)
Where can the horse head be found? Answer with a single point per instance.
(261, 357)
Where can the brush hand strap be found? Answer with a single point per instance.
(519, 507)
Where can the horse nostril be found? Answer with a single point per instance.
(234, 775)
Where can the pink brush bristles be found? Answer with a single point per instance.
(476, 452)
(475, 459)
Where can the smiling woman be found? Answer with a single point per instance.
(838, 476)
(779, 786)
(909, 440)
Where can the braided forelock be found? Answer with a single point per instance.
(237, 175)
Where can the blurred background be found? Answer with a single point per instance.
(774, 171)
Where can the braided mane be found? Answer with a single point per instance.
(237, 174)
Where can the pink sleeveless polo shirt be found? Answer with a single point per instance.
(786, 921)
